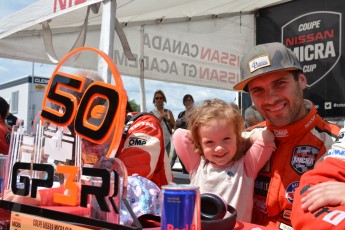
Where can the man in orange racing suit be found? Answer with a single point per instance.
(320, 201)
(273, 76)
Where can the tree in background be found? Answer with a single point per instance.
(135, 106)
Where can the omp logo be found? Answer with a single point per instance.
(328, 105)
(280, 133)
(134, 141)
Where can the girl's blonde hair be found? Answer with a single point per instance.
(215, 109)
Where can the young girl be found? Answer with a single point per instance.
(216, 164)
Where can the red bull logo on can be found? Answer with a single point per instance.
(181, 208)
(171, 227)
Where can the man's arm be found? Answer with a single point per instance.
(329, 193)
(319, 201)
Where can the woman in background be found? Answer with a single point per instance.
(165, 116)
(182, 122)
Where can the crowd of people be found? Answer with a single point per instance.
(281, 165)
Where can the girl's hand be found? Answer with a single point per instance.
(264, 135)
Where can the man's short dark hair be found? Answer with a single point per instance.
(295, 74)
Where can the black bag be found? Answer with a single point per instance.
(180, 122)
(168, 126)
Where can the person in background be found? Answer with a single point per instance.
(273, 76)
(252, 116)
(165, 117)
(12, 120)
(5, 134)
(182, 122)
(216, 165)
(235, 106)
(319, 201)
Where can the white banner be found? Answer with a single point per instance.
(202, 53)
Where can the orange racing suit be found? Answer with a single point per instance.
(299, 146)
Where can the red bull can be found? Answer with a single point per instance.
(180, 207)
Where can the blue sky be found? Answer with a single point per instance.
(11, 69)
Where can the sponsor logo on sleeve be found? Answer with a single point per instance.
(338, 148)
(336, 153)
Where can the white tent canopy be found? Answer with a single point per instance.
(129, 12)
(197, 42)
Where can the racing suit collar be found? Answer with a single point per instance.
(302, 126)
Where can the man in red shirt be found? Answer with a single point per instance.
(319, 200)
(4, 132)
